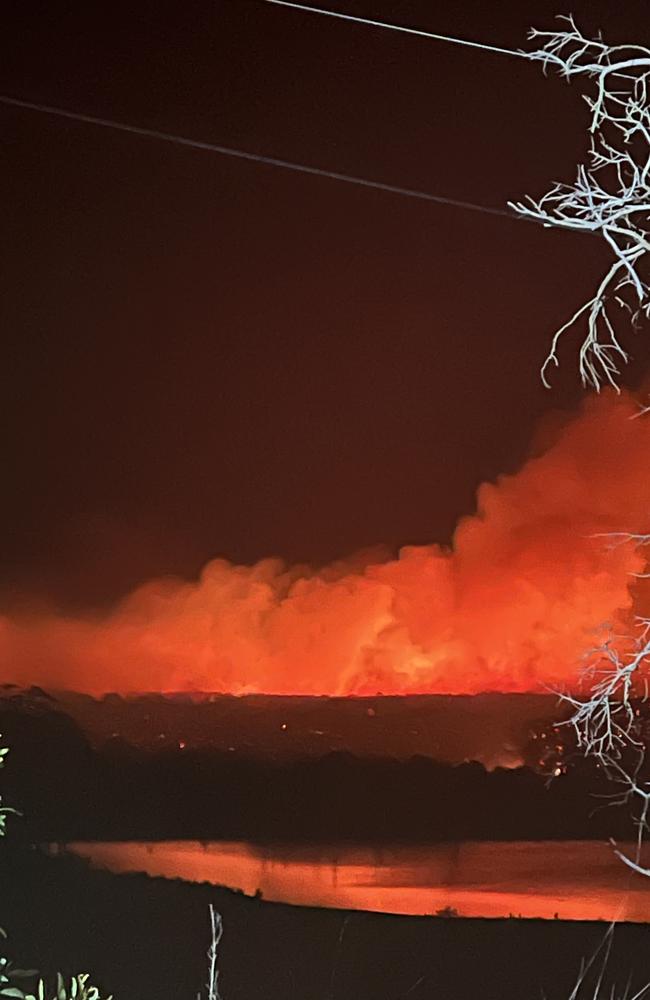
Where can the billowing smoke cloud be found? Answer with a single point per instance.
(512, 606)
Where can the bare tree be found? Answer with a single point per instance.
(611, 194)
(610, 722)
(610, 198)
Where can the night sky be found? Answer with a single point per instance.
(206, 357)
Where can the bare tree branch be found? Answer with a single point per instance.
(609, 722)
(216, 924)
(611, 195)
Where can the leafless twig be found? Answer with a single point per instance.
(213, 972)
(597, 993)
(609, 722)
(611, 195)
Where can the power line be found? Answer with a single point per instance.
(257, 157)
(397, 27)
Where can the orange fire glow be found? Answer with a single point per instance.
(512, 606)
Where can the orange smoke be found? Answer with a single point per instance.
(512, 606)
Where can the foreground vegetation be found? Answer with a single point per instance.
(12, 977)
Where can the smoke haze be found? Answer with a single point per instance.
(512, 606)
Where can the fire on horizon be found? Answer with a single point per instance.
(511, 607)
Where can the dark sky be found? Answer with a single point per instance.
(209, 357)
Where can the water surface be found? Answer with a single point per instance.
(575, 880)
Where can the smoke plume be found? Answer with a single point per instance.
(512, 606)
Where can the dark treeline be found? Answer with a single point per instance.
(450, 728)
(69, 791)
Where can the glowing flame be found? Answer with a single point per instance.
(512, 606)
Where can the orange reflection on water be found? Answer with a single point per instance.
(577, 880)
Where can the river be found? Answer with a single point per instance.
(575, 880)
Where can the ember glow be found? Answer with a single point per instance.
(512, 606)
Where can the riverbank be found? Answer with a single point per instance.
(568, 880)
(145, 939)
